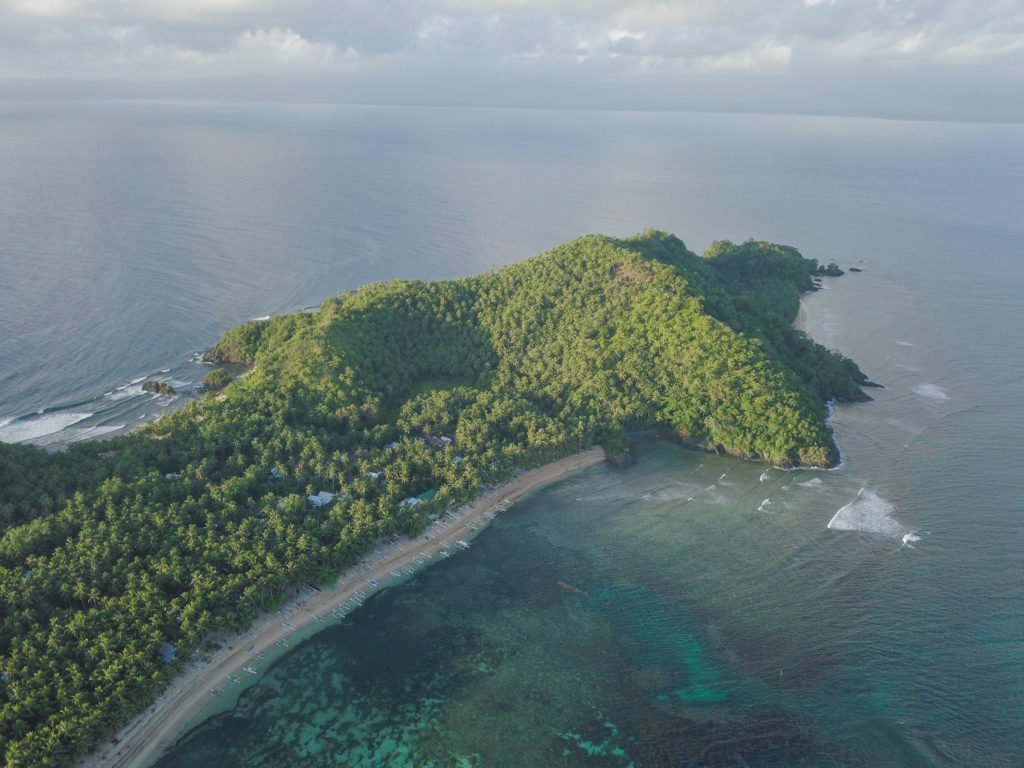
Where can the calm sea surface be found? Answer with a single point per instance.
(688, 611)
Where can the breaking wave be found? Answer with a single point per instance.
(869, 513)
(32, 427)
(931, 391)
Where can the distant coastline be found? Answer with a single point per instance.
(142, 741)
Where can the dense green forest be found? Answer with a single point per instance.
(110, 550)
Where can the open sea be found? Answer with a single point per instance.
(688, 611)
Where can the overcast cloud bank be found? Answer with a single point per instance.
(947, 59)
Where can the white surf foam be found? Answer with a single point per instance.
(869, 513)
(910, 538)
(814, 482)
(764, 477)
(123, 393)
(132, 389)
(20, 430)
(932, 391)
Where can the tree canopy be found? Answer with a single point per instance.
(112, 549)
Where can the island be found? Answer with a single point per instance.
(389, 408)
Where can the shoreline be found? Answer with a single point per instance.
(145, 738)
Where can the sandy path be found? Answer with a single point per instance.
(140, 743)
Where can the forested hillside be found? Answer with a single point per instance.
(110, 550)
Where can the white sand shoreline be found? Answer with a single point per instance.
(142, 741)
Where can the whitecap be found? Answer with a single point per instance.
(905, 344)
(869, 513)
(814, 482)
(932, 391)
(764, 477)
(122, 393)
(20, 430)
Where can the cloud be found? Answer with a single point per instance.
(284, 46)
(986, 47)
(646, 43)
(615, 35)
(764, 56)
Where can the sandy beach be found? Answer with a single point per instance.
(141, 742)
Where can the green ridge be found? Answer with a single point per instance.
(111, 549)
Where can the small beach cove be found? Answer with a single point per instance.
(141, 742)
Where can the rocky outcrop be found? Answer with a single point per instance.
(158, 387)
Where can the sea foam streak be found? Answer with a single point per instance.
(870, 513)
(20, 430)
(932, 391)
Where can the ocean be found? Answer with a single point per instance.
(690, 610)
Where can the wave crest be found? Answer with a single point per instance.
(869, 513)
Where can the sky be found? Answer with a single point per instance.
(946, 59)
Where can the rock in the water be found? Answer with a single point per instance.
(158, 387)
